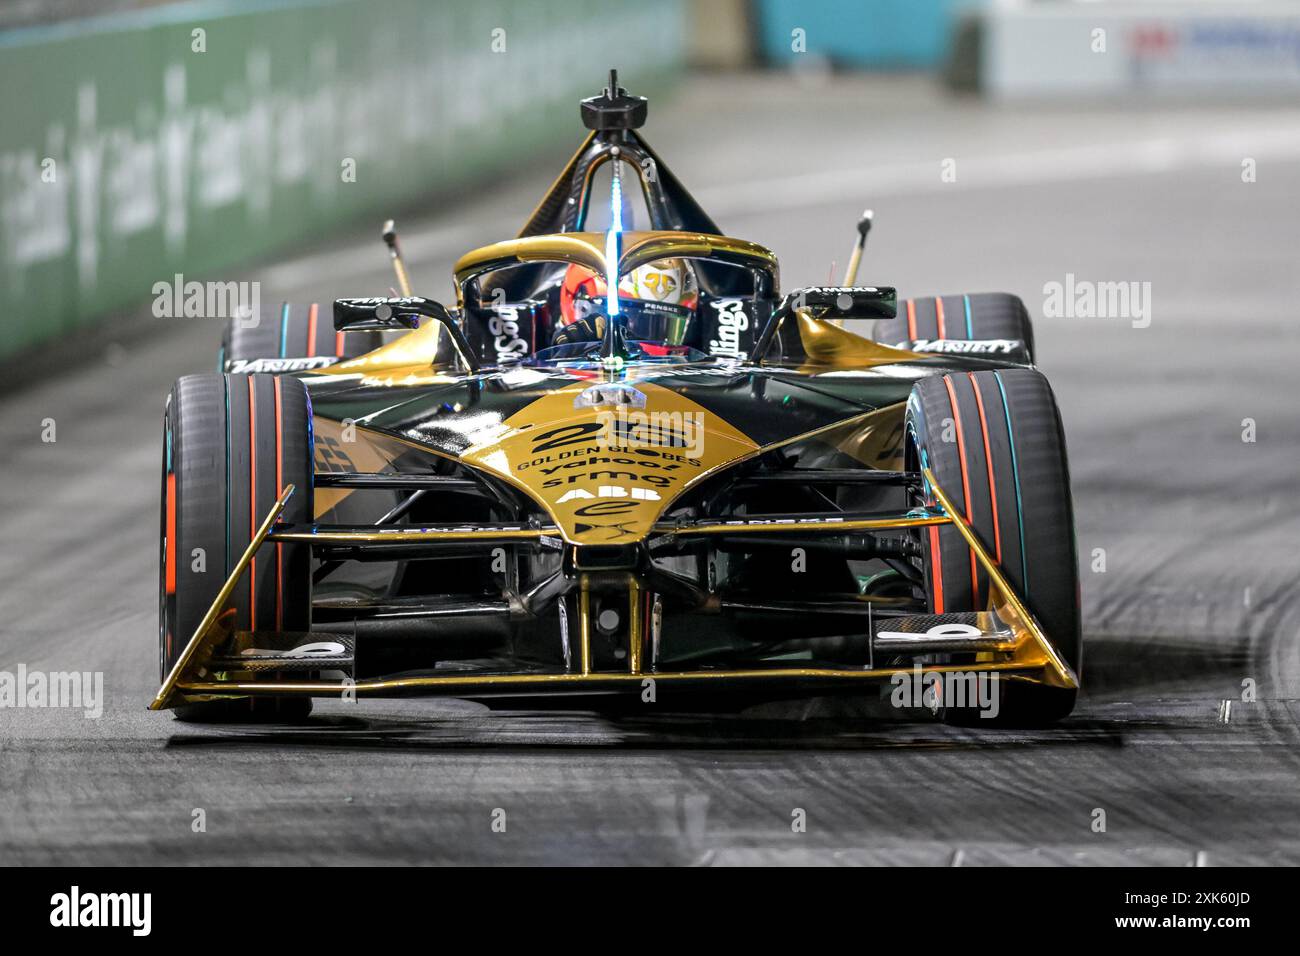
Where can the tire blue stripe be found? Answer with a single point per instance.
(284, 330)
(969, 334)
(1015, 470)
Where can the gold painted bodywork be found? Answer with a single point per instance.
(599, 488)
(620, 470)
(410, 359)
(353, 450)
(828, 345)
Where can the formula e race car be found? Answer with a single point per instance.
(627, 467)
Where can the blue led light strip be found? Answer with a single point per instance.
(611, 240)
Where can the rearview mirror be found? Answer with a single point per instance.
(844, 302)
(402, 313)
(373, 314)
(827, 302)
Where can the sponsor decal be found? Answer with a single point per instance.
(606, 458)
(587, 470)
(839, 290)
(279, 365)
(662, 308)
(731, 321)
(398, 302)
(953, 629)
(627, 430)
(565, 435)
(610, 491)
(759, 522)
(313, 649)
(965, 346)
(504, 328)
(330, 455)
(656, 429)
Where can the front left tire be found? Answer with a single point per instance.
(231, 443)
(975, 315)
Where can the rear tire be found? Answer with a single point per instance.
(979, 315)
(230, 445)
(1004, 467)
(293, 331)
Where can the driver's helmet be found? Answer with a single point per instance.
(657, 301)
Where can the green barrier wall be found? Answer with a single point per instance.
(128, 155)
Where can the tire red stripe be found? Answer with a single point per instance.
(965, 482)
(252, 502)
(279, 489)
(935, 570)
(988, 458)
(938, 314)
(170, 571)
(338, 344)
(311, 332)
(911, 320)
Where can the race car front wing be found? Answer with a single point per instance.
(1005, 638)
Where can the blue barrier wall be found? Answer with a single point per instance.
(872, 33)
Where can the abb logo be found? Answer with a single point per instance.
(611, 491)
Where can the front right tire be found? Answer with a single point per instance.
(994, 442)
(292, 331)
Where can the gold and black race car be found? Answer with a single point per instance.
(625, 465)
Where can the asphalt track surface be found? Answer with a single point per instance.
(1198, 529)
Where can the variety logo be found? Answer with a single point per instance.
(279, 365)
(967, 346)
